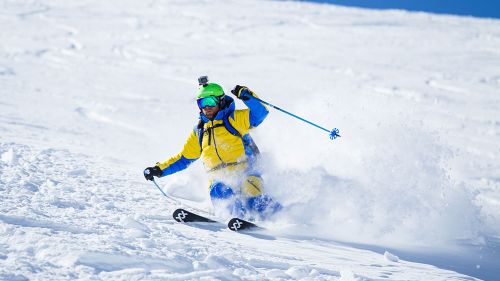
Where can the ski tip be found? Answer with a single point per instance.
(184, 216)
(180, 215)
(236, 224)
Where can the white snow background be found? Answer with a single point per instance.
(92, 92)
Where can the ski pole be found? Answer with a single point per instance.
(333, 133)
(164, 194)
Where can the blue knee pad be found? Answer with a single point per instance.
(219, 190)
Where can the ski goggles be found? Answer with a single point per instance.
(208, 101)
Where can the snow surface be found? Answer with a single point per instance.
(94, 91)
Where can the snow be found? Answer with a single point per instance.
(93, 92)
(9, 156)
(391, 257)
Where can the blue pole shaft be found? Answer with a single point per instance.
(293, 115)
(157, 186)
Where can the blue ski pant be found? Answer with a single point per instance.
(248, 201)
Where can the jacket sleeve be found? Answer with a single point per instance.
(257, 111)
(190, 152)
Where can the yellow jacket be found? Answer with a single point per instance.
(222, 143)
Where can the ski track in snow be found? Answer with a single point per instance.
(91, 93)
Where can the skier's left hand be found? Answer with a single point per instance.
(242, 92)
(151, 172)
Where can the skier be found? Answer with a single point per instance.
(229, 154)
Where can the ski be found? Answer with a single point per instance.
(184, 216)
(236, 224)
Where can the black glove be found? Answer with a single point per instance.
(151, 172)
(242, 92)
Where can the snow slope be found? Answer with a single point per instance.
(92, 92)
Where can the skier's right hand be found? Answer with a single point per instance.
(151, 172)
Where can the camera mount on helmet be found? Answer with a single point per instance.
(203, 81)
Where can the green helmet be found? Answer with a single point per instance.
(210, 90)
